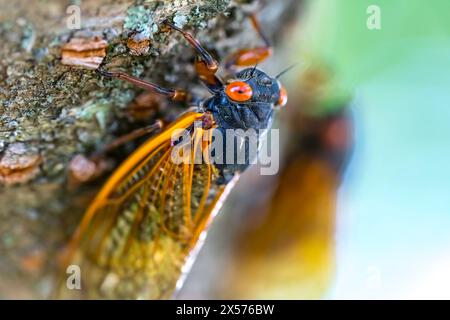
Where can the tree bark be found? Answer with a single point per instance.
(50, 111)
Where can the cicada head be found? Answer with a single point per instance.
(247, 100)
(253, 85)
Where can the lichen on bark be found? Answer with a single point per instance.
(55, 111)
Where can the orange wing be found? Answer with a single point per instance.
(136, 238)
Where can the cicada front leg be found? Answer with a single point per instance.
(205, 64)
(173, 94)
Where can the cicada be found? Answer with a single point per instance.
(138, 237)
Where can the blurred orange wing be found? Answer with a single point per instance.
(136, 238)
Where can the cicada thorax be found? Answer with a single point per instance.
(240, 149)
(243, 126)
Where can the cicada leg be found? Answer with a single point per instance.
(174, 94)
(133, 135)
(253, 56)
(83, 169)
(205, 65)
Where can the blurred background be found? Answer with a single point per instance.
(361, 207)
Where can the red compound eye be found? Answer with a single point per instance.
(283, 97)
(239, 91)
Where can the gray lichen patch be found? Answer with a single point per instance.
(140, 21)
(180, 20)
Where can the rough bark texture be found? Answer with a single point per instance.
(50, 112)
